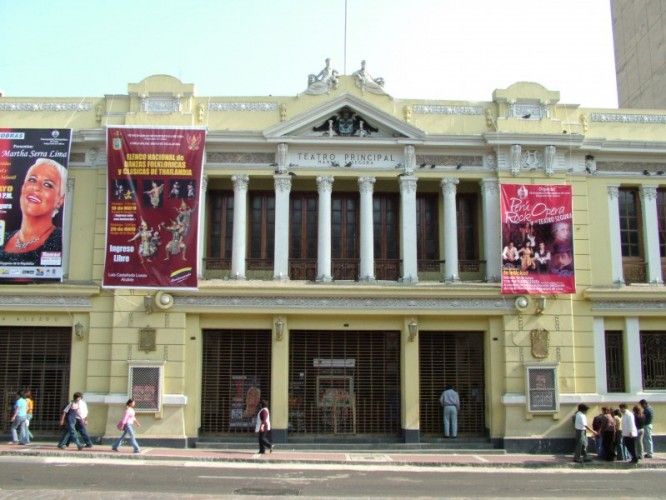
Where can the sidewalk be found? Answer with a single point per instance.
(286, 456)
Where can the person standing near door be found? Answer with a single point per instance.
(450, 401)
(263, 427)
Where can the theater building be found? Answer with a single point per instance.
(350, 260)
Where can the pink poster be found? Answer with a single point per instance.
(537, 239)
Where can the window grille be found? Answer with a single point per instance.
(614, 362)
(344, 382)
(145, 386)
(236, 374)
(38, 359)
(454, 358)
(653, 358)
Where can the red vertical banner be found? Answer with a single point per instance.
(537, 239)
(154, 180)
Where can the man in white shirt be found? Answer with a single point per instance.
(81, 423)
(580, 424)
(629, 432)
(450, 401)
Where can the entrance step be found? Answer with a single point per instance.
(452, 446)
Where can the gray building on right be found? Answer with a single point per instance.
(639, 32)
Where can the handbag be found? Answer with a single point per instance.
(121, 424)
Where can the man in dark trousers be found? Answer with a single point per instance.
(263, 427)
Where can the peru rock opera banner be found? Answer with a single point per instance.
(537, 239)
(33, 185)
(154, 181)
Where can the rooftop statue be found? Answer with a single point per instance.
(367, 83)
(323, 82)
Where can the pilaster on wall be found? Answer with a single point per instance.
(409, 376)
(128, 316)
(279, 406)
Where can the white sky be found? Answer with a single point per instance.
(424, 49)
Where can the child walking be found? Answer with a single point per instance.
(126, 424)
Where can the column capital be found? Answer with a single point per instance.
(408, 184)
(71, 182)
(365, 184)
(204, 183)
(282, 183)
(448, 185)
(489, 186)
(613, 192)
(324, 184)
(647, 193)
(240, 181)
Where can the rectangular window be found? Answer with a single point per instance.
(262, 230)
(468, 241)
(542, 391)
(614, 362)
(386, 234)
(653, 360)
(427, 232)
(303, 234)
(220, 228)
(145, 386)
(630, 223)
(344, 235)
(633, 264)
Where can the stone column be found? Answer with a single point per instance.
(324, 189)
(281, 249)
(491, 229)
(367, 266)
(617, 274)
(450, 230)
(408, 229)
(648, 196)
(201, 249)
(240, 226)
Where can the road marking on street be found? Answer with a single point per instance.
(481, 459)
(367, 457)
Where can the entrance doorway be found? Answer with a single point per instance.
(454, 358)
(236, 376)
(344, 383)
(37, 359)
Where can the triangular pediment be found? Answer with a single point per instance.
(346, 116)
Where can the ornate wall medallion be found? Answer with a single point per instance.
(539, 339)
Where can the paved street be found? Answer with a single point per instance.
(46, 472)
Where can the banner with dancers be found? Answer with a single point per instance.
(33, 188)
(153, 206)
(537, 239)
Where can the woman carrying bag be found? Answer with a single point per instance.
(126, 424)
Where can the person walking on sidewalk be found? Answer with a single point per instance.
(126, 424)
(629, 432)
(82, 423)
(580, 424)
(19, 418)
(648, 412)
(450, 401)
(27, 394)
(70, 414)
(263, 427)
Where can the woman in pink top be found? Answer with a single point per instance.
(126, 424)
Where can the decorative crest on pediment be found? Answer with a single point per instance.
(346, 123)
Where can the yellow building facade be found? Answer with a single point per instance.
(350, 256)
